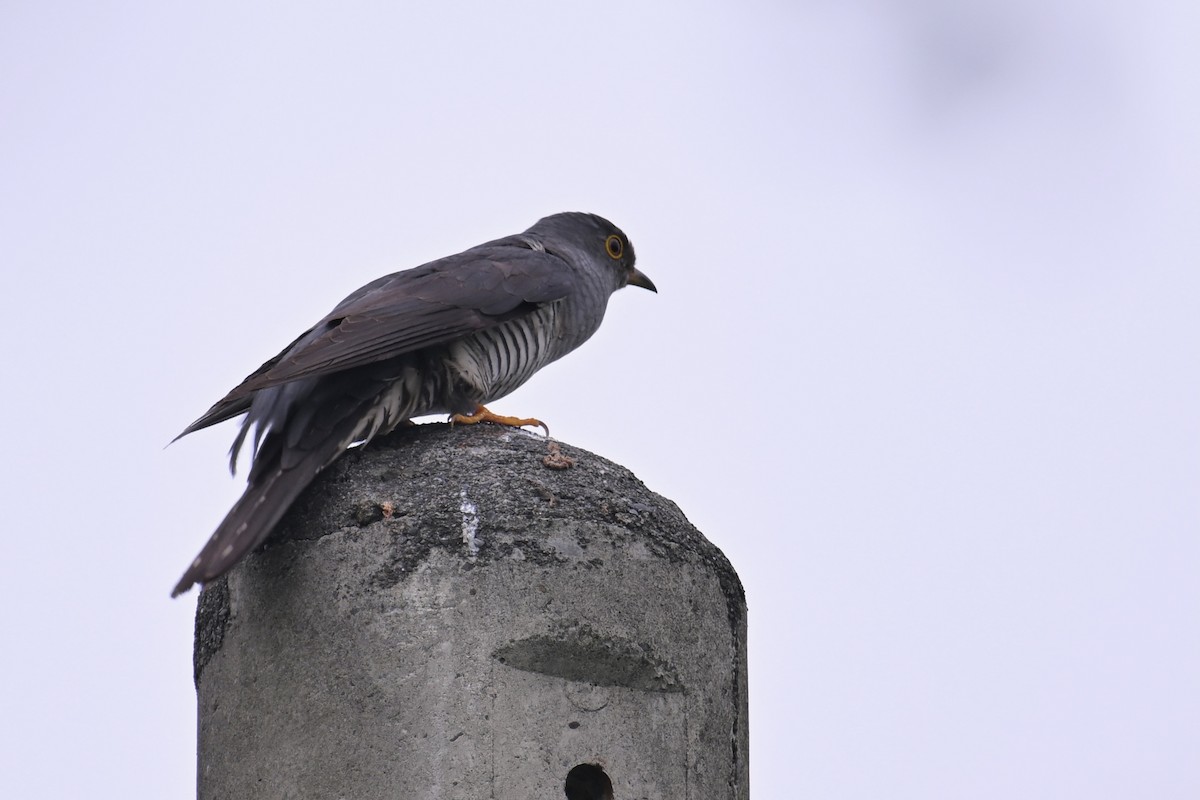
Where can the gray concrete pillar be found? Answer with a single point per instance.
(473, 613)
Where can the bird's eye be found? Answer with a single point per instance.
(614, 246)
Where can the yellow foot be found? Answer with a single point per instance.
(483, 415)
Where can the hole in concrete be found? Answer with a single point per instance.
(588, 782)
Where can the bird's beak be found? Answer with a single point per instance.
(637, 278)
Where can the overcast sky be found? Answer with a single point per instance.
(923, 360)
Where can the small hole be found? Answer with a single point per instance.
(588, 782)
(572, 725)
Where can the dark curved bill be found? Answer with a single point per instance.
(638, 278)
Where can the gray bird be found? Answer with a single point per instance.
(446, 337)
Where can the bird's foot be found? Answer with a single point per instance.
(483, 415)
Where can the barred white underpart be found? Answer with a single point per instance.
(395, 406)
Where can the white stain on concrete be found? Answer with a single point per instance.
(470, 524)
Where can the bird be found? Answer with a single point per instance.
(446, 337)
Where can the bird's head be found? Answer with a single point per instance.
(599, 241)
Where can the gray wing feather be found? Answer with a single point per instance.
(430, 305)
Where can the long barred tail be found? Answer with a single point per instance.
(307, 425)
(281, 471)
(256, 513)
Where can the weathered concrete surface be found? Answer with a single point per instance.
(443, 615)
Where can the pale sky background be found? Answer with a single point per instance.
(923, 362)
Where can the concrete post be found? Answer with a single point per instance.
(475, 613)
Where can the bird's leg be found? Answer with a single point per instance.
(483, 415)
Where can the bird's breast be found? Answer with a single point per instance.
(498, 360)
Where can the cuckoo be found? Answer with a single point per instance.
(447, 337)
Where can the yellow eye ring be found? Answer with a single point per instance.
(614, 246)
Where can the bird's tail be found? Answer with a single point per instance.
(268, 496)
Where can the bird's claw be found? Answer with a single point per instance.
(483, 415)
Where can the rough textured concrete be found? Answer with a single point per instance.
(471, 613)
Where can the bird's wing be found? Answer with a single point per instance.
(430, 305)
